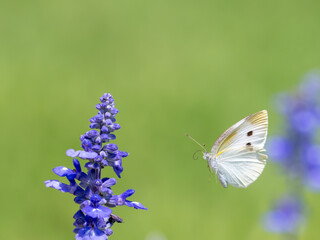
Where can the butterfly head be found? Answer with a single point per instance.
(206, 156)
(210, 161)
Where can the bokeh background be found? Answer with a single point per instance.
(173, 67)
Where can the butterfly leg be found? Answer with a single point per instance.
(222, 180)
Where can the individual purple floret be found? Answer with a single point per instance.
(94, 219)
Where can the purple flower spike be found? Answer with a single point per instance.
(298, 153)
(294, 149)
(94, 219)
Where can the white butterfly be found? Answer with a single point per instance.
(236, 157)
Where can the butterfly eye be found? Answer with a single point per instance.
(249, 133)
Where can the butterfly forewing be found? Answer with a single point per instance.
(250, 131)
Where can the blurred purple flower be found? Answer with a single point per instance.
(301, 112)
(94, 219)
(311, 157)
(280, 149)
(310, 87)
(286, 216)
(297, 151)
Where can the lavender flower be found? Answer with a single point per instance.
(94, 219)
(298, 152)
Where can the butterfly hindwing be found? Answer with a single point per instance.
(240, 166)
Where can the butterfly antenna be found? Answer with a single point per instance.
(202, 146)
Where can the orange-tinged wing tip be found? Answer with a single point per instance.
(259, 117)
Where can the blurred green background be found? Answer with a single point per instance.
(173, 67)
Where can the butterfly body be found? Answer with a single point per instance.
(237, 155)
(211, 160)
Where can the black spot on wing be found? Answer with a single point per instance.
(249, 147)
(249, 133)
